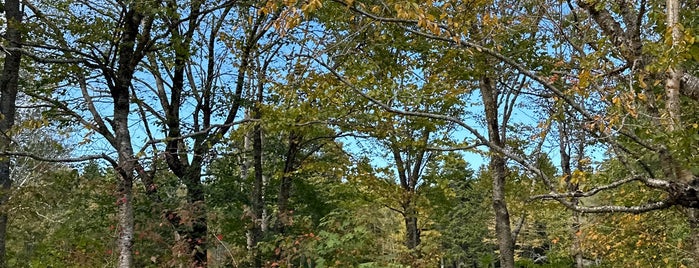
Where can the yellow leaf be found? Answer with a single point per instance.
(563, 179)
(584, 78)
(615, 100)
(642, 97)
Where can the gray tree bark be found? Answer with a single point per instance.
(130, 54)
(497, 166)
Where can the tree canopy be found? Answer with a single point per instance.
(349, 133)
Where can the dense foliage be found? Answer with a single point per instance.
(349, 133)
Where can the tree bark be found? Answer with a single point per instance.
(673, 83)
(129, 56)
(8, 96)
(412, 232)
(498, 171)
(674, 73)
(256, 200)
(572, 186)
(126, 222)
(286, 183)
(408, 175)
(689, 86)
(189, 173)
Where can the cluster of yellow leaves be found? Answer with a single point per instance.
(627, 102)
(626, 240)
(311, 5)
(33, 123)
(288, 19)
(577, 177)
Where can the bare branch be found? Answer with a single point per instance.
(457, 148)
(620, 209)
(39, 58)
(96, 116)
(63, 159)
(518, 227)
(589, 193)
(204, 131)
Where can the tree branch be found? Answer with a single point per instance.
(589, 193)
(204, 131)
(62, 160)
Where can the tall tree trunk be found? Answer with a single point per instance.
(126, 171)
(188, 173)
(672, 107)
(198, 233)
(283, 216)
(674, 73)
(8, 96)
(256, 200)
(498, 170)
(409, 172)
(245, 173)
(572, 186)
(412, 232)
(129, 57)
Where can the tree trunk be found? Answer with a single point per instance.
(672, 107)
(256, 197)
(409, 167)
(412, 232)
(674, 73)
(498, 170)
(571, 186)
(256, 200)
(126, 223)
(502, 216)
(245, 173)
(126, 170)
(8, 96)
(198, 233)
(286, 183)
(129, 57)
(189, 173)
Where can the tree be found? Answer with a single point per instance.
(462, 211)
(132, 23)
(8, 95)
(434, 22)
(401, 72)
(498, 168)
(303, 133)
